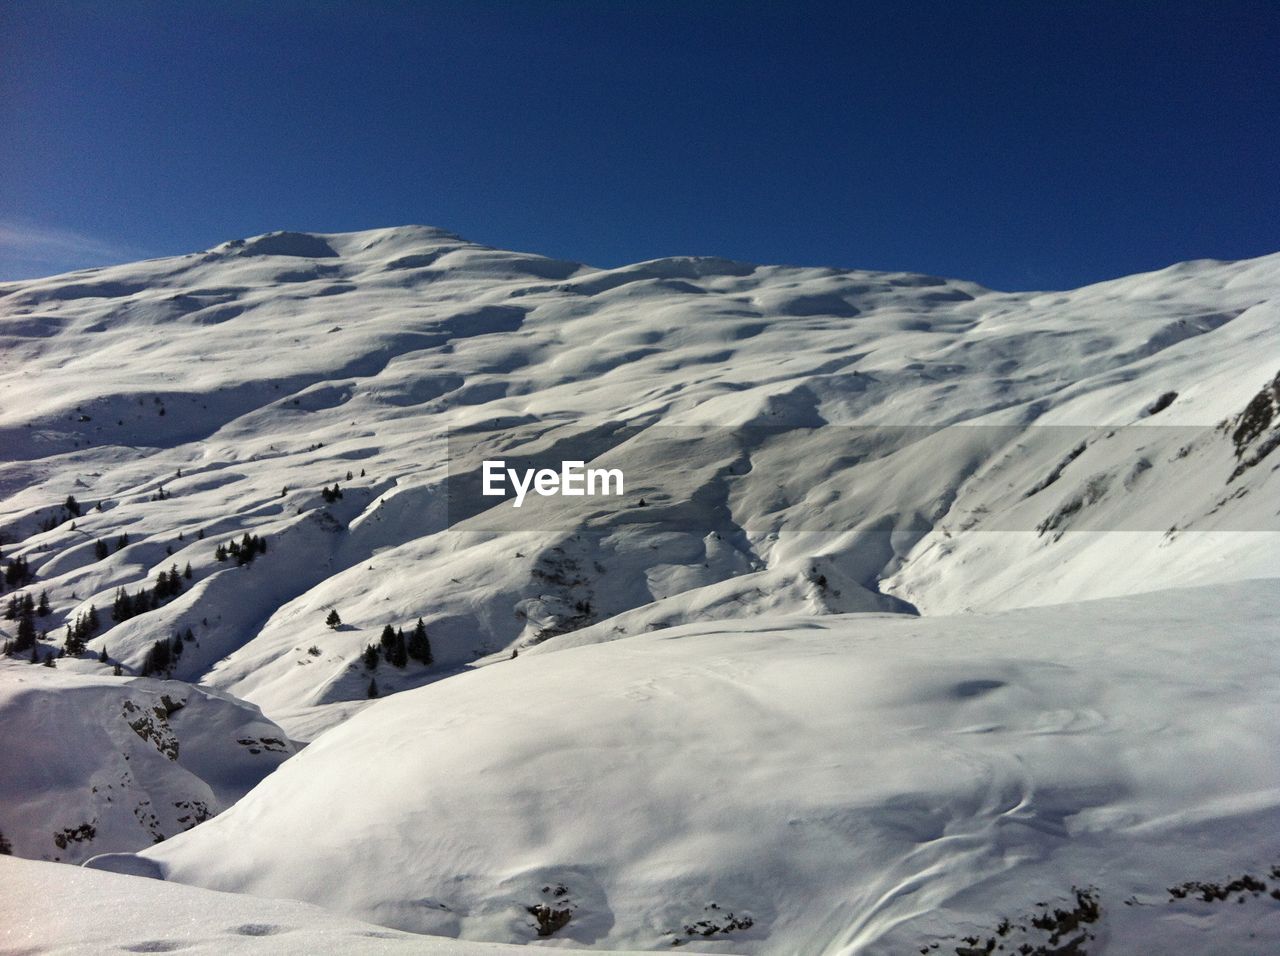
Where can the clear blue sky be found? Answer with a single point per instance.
(1030, 144)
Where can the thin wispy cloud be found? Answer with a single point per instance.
(28, 250)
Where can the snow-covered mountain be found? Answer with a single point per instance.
(244, 380)
(95, 764)
(815, 457)
(819, 785)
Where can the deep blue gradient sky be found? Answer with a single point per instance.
(1029, 144)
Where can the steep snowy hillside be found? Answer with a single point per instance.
(830, 675)
(98, 764)
(186, 403)
(844, 784)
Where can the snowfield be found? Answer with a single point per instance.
(925, 603)
(102, 912)
(859, 783)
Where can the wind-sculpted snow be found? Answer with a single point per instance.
(106, 912)
(102, 764)
(192, 400)
(257, 465)
(842, 784)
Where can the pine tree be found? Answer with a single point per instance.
(17, 573)
(122, 542)
(76, 636)
(220, 553)
(28, 604)
(333, 620)
(91, 620)
(387, 641)
(100, 549)
(418, 647)
(371, 657)
(102, 655)
(373, 688)
(158, 658)
(186, 572)
(42, 609)
(26, 631)
(72, 506)
(399, 656)
(14, 608)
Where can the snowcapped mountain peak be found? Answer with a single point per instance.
(247, 469)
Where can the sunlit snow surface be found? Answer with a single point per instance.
(700, 721)
(106, 913)
(855, 783)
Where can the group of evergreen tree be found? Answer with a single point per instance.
(394, 647)
(160, 657)
(17, 573)
(81, 630)
(19, 604)
(244, 550)
(165, 653)
(100, 549)
(397, 650)
(168, 584)
(23, 609)
(331, 495)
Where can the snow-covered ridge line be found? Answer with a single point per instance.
(300, 387)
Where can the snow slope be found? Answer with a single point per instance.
(95, 764)
(832, 675)
(844, 784)
(243, 380)
(105, 912)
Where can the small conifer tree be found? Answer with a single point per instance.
(418, 646)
